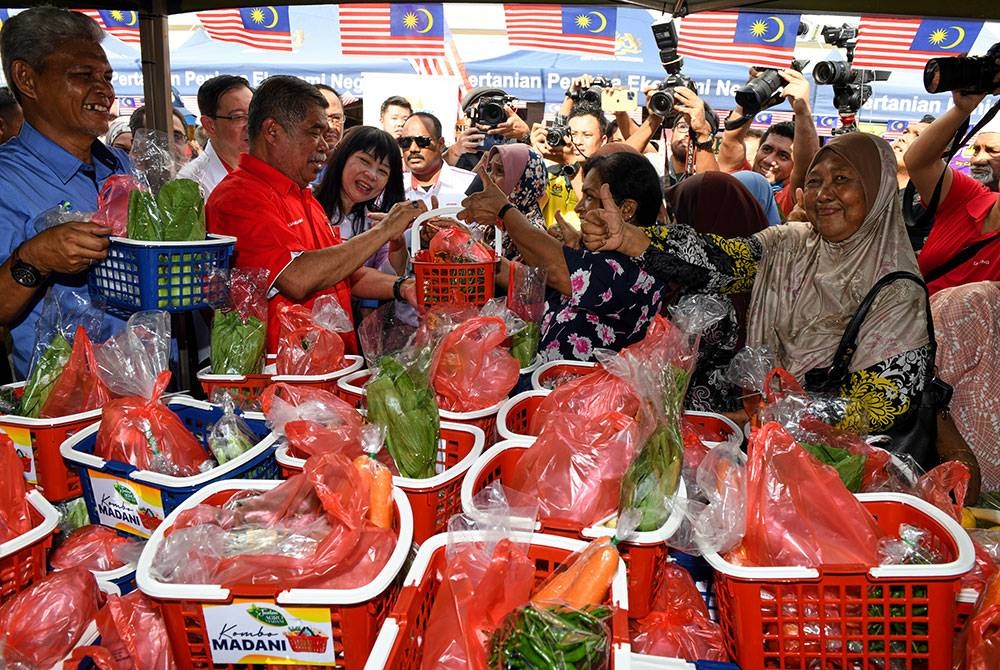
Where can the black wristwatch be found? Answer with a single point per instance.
(707, 145)
(397, 285)
(24, 273)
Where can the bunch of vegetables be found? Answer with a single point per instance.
(564, 626)
(175, 214)
(524, 343)
(44, 375)
(402, 401)
(239, 331)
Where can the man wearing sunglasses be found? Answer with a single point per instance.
(423, 155)
(224, 102)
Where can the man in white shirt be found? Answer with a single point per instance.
(224, 102)
(429, 174)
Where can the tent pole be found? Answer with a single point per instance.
(156, 65)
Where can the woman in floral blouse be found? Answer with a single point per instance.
(809, 277)
(597, 300)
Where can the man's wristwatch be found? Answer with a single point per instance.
(397, 286)
(24, 273)
(707, 145)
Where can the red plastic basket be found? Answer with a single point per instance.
(644, 554)
(846, 616)
(246, 389)
(194, 613)
(399, 643)
(37, 444)
(22, 560)
(436, 282)
(549, 375)
(433, 500)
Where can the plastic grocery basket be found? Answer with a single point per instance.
(644, 553)
(173, 276)
(849, 616)
(37, 441)
(349, 618)
(245, 390)
(435, 500)
(547, 374)
(471, 283)
(351, 388)
(398, 646)
(22, 559)
(134, 501)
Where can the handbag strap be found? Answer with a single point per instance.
(961, 257)
(849, 342)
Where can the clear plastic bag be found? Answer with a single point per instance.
(239, 330)
(41, 625)
(401, 401)
(384, 333)
(131, 361)
(558, 639)
(715, 509)
(230, 437)
(914, 546)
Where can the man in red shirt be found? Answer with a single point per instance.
(968, 212)
(267, 205)
(786, 149)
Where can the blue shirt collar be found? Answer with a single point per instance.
(62, 163)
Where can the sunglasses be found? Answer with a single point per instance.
(422, 142)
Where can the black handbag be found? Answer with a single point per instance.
(915, 432)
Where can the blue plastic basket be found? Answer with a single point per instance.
(173, 276)
(121, 496)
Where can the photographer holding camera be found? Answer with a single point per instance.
(785, 152)
(490, 119)
(964, 241)
(694, 128)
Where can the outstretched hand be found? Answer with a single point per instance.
(482, 207)
(603, 229)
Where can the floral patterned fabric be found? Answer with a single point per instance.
(880, 393)
(612, 302)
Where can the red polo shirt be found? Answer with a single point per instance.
(959, 223)
(273, 219)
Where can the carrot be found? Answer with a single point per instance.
(592, 584)
(379, 482)
(555, 588)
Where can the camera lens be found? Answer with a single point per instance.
(832, 72)
(661, 103)
(592, 95)
(755, 95)
(555, 136)
(975, 74)
(491, 113)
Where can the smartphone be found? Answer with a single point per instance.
(619, 100)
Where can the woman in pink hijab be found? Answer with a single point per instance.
(519, 171)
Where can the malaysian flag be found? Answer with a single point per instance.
(448, 65)
(400, 30)
(561, 28)
(264, 27)
(907, 44)
(123, 24)
(746, 38)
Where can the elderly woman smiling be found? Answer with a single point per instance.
(597, 300)
(808, 278)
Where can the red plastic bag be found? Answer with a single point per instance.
(132, 628)
(678, 625)
(43, 623)
(306, 347)
(594, 394)
(798, 510)
(456, 245)
(314, 421)
(15, 516)
(112, 203)
(79, 387)
(945, 487)
(576, 465)
(93, 547)
(477, 591)
(471, 370)
(147, 434)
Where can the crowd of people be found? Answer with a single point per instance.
(626, 218)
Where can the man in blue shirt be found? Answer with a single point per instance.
(57, 70)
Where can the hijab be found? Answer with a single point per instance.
(760, 189)
(524, 178)
(807, 288)
(716, 202)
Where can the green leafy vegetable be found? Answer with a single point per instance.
(182, 211)
(143, 217)
(551, 639)
(850, 467)
(524, 344)
(44, 375)
(237, 345)
(402, 401)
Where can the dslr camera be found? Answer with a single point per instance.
(968, 74)
(661, 102)
(592, 94)
(490, 111)
(557, 133)
(763, 91)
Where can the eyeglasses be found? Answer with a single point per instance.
(235, 118)
(422, 141)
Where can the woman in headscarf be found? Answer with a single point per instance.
(760, 188)
(596, 300)
(519, 171)
(809, 278)
(716, 203)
